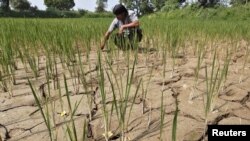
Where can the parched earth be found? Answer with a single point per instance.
(20, 118)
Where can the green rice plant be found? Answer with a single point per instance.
(72, 112)
(175, 122)
(134, 98)
(201, 55)
(121, 104)
(173, 49)
(7, 63)
(50, 103)
(201, 52)
(55, 72)
(145, 92)
(162, 116)
(127, 94)
(115, 100)
(33, 63)
(103, 96)
(224, 72)
(214, 82)
(45, 114)
(211, 83)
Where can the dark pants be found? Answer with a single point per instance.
(129, 41)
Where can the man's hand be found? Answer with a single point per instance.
(102, 46)
(121, 29)
(105, 39)
(133, 24)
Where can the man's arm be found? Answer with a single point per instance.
(132, 24)
(107, 34)
(106, 37)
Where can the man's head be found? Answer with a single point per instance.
(120, 12)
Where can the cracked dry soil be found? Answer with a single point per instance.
(20, 118)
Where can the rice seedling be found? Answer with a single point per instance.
(72, 113)
(214, 83)
(201, 52)
(45, 114)
(120, 104)
(162, 117)
(103, 96)
(145, 92)
(162, 108)
(175, 122)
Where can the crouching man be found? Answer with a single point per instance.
(128, 24)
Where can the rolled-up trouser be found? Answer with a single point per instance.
(129, 41)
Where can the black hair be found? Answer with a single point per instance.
(119, 9)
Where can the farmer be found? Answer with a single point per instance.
(128, 24)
